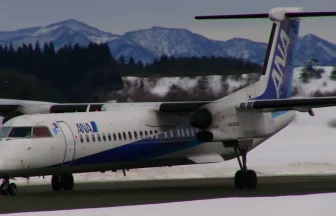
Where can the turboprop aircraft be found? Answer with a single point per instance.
(61, 139)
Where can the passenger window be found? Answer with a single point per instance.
(187, 132)
(87, 138)
(146, 134)
(182, 132)
(104, 137)
(150, 132)
(192, 132)
(124, 134)
(109, 137)
(114, 137)
(156, 131)
(119, 136)
(93, 138)
(98, 136)
(141, 134)
(178, 132)
(81, 138)
(135, 135)
(130, 135)
(39, 131)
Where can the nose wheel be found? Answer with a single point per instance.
(244, 177)
(7, 188)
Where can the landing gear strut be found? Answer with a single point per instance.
(7, 188)
(63, 181)
(244, 177)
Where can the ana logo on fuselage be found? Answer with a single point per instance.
(87, 127)
(277, 72)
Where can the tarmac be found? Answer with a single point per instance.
(31, 198)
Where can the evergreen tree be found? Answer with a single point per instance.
(333, 74)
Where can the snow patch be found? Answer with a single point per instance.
(323, 85)
(216, 83)
(46, 30)
(100, 40)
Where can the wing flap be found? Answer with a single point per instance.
(299, 104)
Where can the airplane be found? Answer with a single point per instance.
(39, 139)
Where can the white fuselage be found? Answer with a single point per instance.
(121, 138)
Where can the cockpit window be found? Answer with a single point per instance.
(20, 132)
(41, 131)
(4, 131)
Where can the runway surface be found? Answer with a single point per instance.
(116, 193)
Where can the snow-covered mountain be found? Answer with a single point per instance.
(149, 44)
(61, 33)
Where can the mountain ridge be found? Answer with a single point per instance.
(149, 44)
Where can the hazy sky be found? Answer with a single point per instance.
(120, 16)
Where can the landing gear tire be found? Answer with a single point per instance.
(56, 183)
(67, 181)
(12, 189)
(64, 181)
(239, 180)
(7, 188)
(250, 179)
(244, 177)
(4, 188)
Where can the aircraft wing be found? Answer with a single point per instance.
(298, 104)
(30, 107)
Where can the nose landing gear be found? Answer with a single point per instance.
(7, 188)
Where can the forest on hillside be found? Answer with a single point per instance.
(90, 74)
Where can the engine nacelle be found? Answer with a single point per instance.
(242, 125)
(212, 136)
(201, 119)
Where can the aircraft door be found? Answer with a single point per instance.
(69, 143)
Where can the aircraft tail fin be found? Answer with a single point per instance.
(278, 64)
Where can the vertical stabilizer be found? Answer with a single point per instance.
(277, 73)
(278, 64)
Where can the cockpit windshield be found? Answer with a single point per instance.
(4, 131)
(25, 132)
(15, 132)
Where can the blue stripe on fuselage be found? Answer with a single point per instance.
(144, 149)
(140, 150)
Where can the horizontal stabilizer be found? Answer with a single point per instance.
(267, 15)
(300, 104)
(200, 159)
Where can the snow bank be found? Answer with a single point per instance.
(161, 86)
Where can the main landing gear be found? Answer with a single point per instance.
(244, 177)
(7, 188)
(63, 181)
